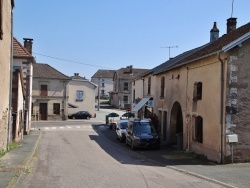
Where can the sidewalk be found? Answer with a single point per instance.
(17, 161)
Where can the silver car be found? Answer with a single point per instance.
(121, 126)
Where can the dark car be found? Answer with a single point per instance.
(80, 115)
(142, 134)
(127, 115)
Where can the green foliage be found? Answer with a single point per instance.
(12, 145)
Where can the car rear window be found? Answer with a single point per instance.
(143, 127)
(123, 125)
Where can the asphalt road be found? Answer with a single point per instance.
(85, 158)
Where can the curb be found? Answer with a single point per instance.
(176, 169)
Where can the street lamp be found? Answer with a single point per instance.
(98, 105)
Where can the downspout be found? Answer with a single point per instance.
(221, 108)
(10, 89)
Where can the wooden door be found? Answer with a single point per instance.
(43, 111)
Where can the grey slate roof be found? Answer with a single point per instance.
(47, 72)
(123, 73)
(104, 73)
(199, 52)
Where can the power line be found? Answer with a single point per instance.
(61, 59)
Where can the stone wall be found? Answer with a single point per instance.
(238, 102)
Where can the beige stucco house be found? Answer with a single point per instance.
(5, 71)
(201, 97)
(81, 95)
(49, 95)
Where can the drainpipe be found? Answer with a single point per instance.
(221, 108)
(10, 89)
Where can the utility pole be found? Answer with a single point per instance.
(169, 49)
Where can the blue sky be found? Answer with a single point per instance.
(111, 34)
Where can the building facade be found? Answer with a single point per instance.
(201, 96)
(23, 60)
(6, 19)
(81, 95)
(104, 80)
(49, 93)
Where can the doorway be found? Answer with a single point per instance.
(176, 126)
(43, 111)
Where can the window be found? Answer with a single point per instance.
(102, 92)
(125, 86)
(125, 99)
(198, 129)
(44, 90)
(56, 108)
(197, 95)
(134, 95)
(162, 86)
(103, 85)
(149, 85)
(79, 95)
(1, 20)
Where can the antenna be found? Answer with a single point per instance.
(232, 8)
(169, 49)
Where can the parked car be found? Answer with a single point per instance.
(142, 134)
(80, 115)
(127, 115)
(121, 126)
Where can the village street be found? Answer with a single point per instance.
(83, 157)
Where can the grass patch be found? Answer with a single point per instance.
(12, 146)
(2, 153)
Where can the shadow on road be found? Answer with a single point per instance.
(167, 155)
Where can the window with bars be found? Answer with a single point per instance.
(1, 20)
(197, 95)
(79, 95)
(56, 108)
(198, 129)
(125, 88)
(149, 85)
(162, 86)
(125, 99)
(44, 90)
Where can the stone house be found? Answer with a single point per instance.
(202, 99)
(81, 95)
(49, 93)
(23, 60)
(121, 96)
(6, 28)
(104, 80)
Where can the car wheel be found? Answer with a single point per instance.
(126, 142)
(88, 118)
(73, 117)
(133, 146)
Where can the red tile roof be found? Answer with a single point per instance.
(19, 51)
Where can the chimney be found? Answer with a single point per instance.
(131, 69)
(76, 74)
(28, 44)
(214, 33)
(231, 24)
